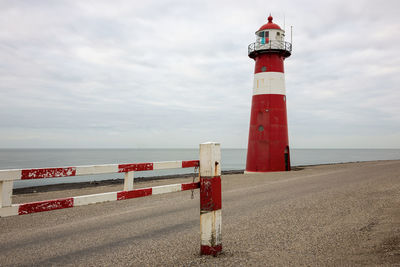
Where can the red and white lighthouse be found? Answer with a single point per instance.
(268, 147)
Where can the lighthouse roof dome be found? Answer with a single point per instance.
(269, 25)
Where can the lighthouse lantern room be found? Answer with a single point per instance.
(268, 146)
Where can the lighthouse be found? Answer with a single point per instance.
(268, 146)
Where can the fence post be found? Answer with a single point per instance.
(6, 188)
(210, 198)
(128, 181)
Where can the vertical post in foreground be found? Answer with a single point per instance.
(128, 181)
(6, 188)
(210, 198)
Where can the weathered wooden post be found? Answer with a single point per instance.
(128, 180)
(6, 188)
(210, 198)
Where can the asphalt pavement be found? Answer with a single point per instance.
(327, 215)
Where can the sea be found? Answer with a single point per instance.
(231, 159)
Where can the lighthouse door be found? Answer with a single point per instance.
(287, 160)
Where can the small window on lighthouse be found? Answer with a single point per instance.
(264, 37)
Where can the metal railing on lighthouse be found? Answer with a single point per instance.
(272, 46)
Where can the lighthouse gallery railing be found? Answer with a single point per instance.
(273, 45)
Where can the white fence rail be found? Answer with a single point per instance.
(209, 184)
(7, 177)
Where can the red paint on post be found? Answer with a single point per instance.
(45, 205)
(210, 193)
(208, 250)
(190, 163)
(47, 173)
(190, 186)
(135, 167)
(134, 193)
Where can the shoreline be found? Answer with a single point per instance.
(80, 185)
(89, 184)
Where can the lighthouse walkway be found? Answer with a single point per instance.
(338, 215)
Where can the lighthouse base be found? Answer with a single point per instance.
(249, 172)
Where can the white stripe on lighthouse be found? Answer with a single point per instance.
(269, 83)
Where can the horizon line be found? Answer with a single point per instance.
(4, 148)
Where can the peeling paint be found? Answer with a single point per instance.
(47, 173)
(135, 167)
(26, 208)
(210, 193)
(190, 163)
(211, 250)
(45, 205)
(190, 186)
(134, 193)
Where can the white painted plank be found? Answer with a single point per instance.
(167, 165)
(8, 175)
(95, 198)
(6, 188)
(166, 189)
(97, 169)
(9, 211)
(128, 181)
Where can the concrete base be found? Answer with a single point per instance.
(246, 172)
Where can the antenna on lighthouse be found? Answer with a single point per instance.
(291, 29)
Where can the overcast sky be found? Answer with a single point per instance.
(138, 74)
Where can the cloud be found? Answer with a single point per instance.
(176, 73)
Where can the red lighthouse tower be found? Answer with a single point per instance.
(268, 147)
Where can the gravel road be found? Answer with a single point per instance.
(327, 215)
